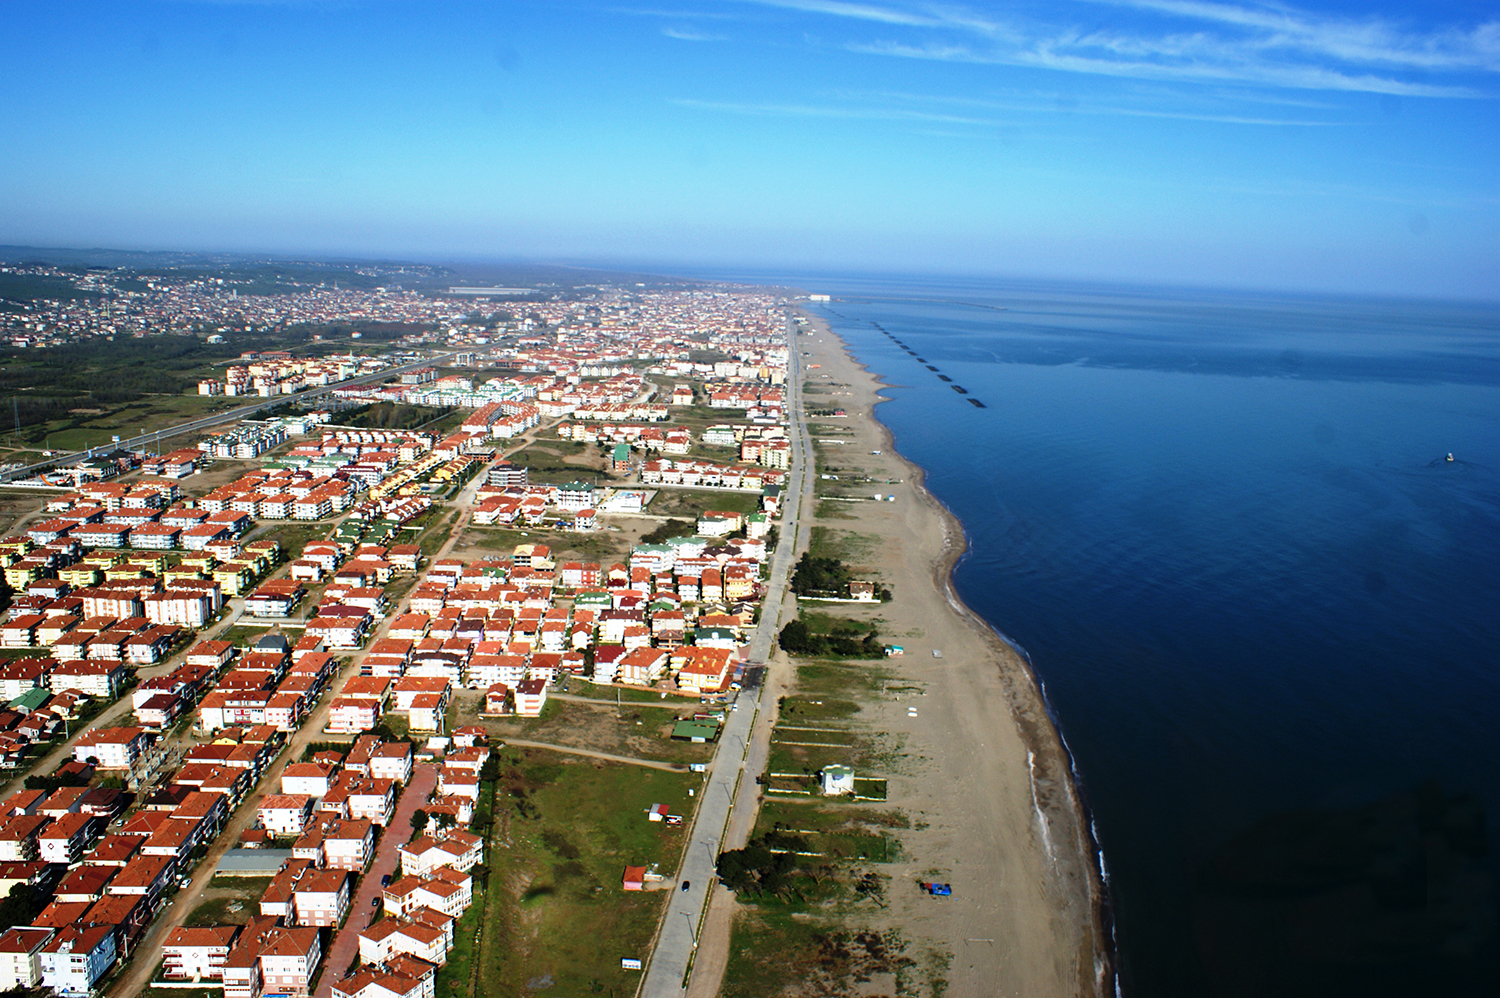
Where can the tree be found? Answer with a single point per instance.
(820, 575)
(763, 866)
(418, 822)
(23, 904)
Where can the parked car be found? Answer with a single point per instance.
(385, 881)
(686, 884)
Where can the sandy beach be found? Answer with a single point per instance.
(980, 768)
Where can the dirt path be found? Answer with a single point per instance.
(671, 767)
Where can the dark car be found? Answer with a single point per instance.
(686, 884)
(385, 881)
(374, 902)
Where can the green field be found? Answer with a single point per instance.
(558, 911)
(85, 423)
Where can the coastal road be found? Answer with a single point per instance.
(677, 939)
(218, 419)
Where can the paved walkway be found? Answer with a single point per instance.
(344, 952)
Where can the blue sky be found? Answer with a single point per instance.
(1348, 147)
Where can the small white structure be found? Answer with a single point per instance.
(837, 780)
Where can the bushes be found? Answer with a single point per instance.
(669, 529)
(797, 638)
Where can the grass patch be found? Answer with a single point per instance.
(692, 502)
(292, 535)
(567, 545)
(252, 887)
(803, 709)
(434, 533)
(455, 976)
(568, 829)
(831, 510)
(843, 545)
(224, 910)
(776, 951)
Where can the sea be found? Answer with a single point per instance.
(1260, 596)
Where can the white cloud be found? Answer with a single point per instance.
(1188, 41)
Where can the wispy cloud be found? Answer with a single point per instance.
(1186, 41)
(691, 35)
(918, 108)
(865, 112)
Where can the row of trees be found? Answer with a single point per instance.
(820, 577)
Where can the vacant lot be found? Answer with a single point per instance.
(559, 919)
(634, 731)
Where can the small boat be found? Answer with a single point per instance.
(1450, 456)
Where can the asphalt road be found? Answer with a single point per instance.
(677, 939)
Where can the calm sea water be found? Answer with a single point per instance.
(1265, 609)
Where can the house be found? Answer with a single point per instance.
(372, 983)
(321, 897)
(285, 814)
(95, 677)
(450, 896)
(20, 956)
(65, 840)
(310, 778)
(531, 697)
(351, 715)
(635, 878)
(19, 837)
(194, 954)
(74, 959)
(274, 959)
(289, 959)
(112, 748)
(393, 936)
(424, 854)
(392, 761)
(144, 875)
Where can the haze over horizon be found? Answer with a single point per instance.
(1314, 147)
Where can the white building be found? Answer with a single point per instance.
(74, 960)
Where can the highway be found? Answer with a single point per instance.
(230, 416)
(677, 938)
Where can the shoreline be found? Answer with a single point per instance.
(1061, 816)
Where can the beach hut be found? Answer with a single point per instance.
(837, 780)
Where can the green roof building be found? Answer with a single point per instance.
(695, 731)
